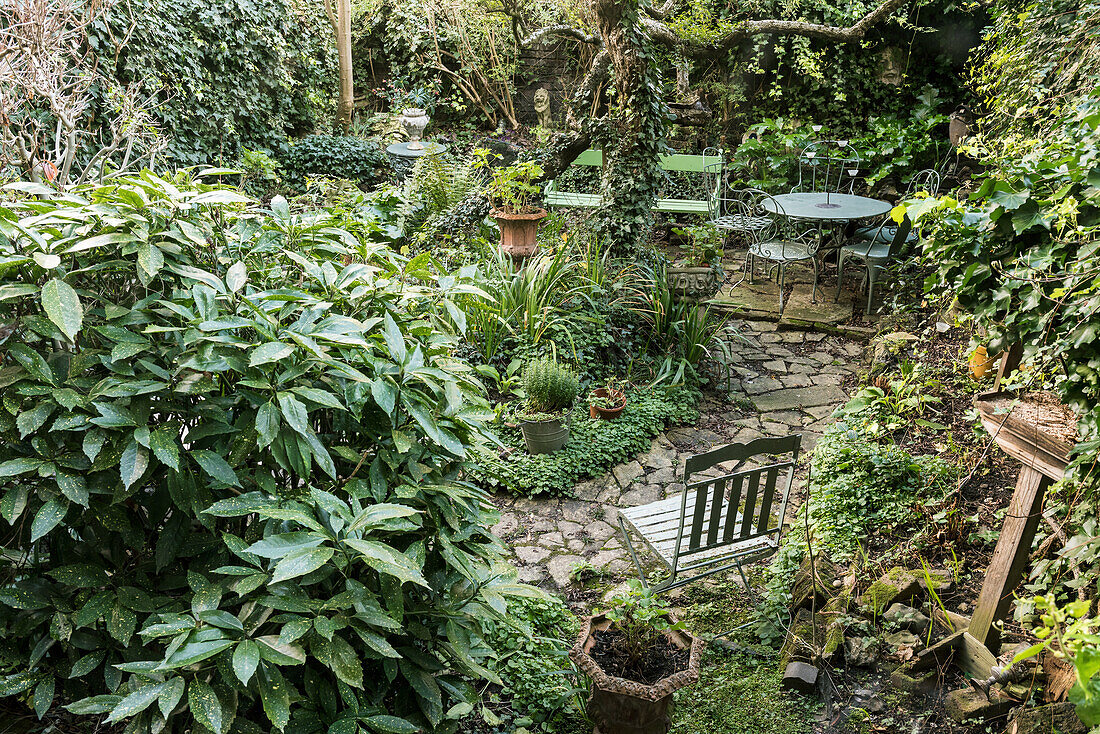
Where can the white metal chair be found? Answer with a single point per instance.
(782, 243)
(927, 182)
(718, 522)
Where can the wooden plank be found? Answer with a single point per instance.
(975, 658)
(1009, 362)
(1010, 558)
(569, 198)
(937, 656)
(697, 518)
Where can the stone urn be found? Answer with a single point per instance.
(518, 231)
(414, 120)
(621, 706)
(692, 282)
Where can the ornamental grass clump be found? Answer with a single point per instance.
(551, 387)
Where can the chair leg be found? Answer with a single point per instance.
(839, 274)
(745, 579)
(872, 275)
(813, 293)
(633, 555)
(780, 278)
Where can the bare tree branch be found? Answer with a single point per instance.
(563, 31)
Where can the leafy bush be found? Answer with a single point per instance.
(231, 443)
(857, 487)
(354, 159)
(594, 445)
(550, 387)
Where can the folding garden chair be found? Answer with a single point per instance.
(721, 519)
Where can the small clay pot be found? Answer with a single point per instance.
(607, 414)
(621, 706)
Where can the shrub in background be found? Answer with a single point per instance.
(230, 470)
(354, 159)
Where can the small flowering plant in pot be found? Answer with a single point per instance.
(696, 274)
(607, 402)
(512, 190)
(637, 655)
(551, 389)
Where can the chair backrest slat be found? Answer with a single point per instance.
(697, 517)
(733, 508)
(750, 504)
(764, 519)
(716, 501)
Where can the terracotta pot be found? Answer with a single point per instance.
(518, 232)
(607, 414)
(980, 362)
(620, 706)
(695, 283)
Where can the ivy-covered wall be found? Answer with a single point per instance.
(227, 73)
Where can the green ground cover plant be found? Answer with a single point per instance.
(231, 442)
(594, 445)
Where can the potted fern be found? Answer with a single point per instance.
(551, 389)
(695, 275)
(511, 189)
(637, 655)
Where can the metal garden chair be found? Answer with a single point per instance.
(827, 165)
(718, 522)
(874, 251)
(926, 181)
(782, 243)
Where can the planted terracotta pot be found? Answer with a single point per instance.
(694, 282)
(621, 706)
(518, 232)
(607, 414)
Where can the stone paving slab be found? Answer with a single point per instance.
(799, 398)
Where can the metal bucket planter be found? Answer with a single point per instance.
(621, 706)
(692, 283)
(518, 232)
(607, 414)
(545, 437)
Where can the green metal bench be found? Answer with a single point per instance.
(552, 196)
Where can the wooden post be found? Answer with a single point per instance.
(1010, 558)
(1009, 362)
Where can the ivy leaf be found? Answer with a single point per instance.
(205, 706)
(62, 306)
(245, 659)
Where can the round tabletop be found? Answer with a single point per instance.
(833, 207)
(406, 150)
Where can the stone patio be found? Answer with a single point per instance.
(781, 382)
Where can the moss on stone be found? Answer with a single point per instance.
(895, 585)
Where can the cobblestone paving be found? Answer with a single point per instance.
(781, 382)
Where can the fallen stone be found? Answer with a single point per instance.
(897, 584)
(904, 638)
(570, 529)
(552, 540)
(968, 703)
(924, 683)
(800, 677)
(943, 582)
(867, 700)
(1060, 717)
(907, 618)
(860, 652)
(813, 587)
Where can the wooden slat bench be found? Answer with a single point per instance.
(677, 162)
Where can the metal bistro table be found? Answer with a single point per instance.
(826, 208)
